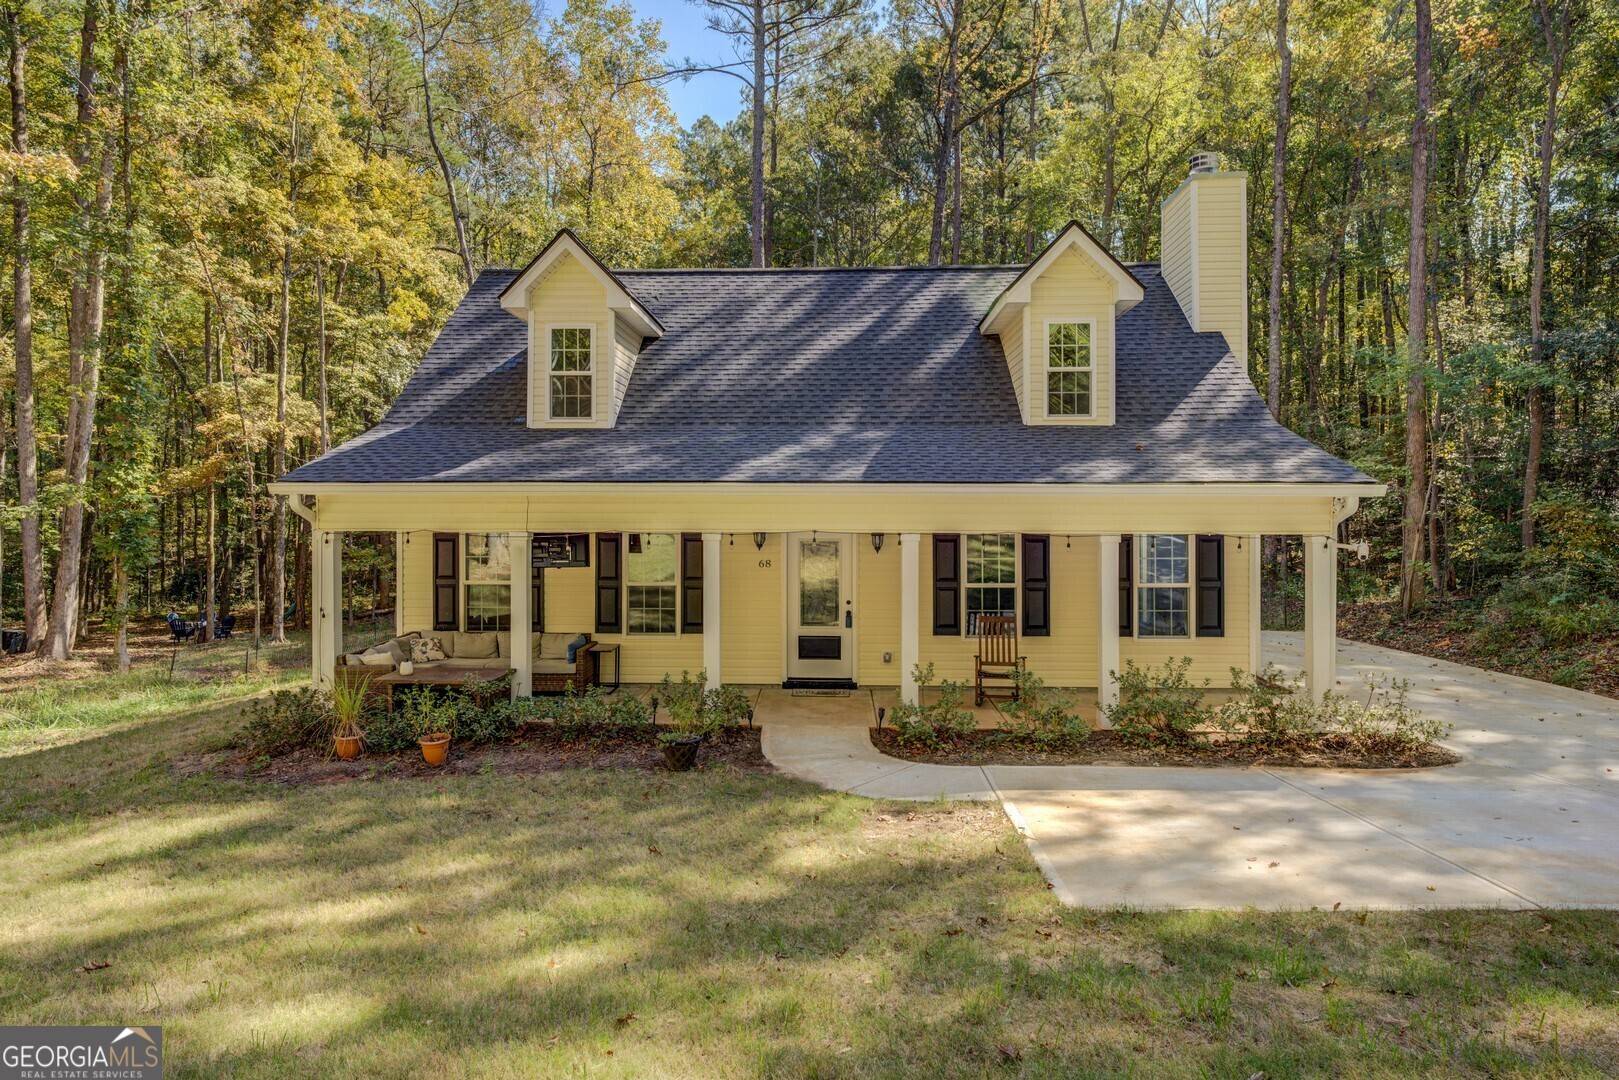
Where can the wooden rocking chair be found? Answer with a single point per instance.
(998, 662)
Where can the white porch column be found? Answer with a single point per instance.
(910, 592)
(1256, 622)
(317, 593)
(711, 609)
(1107, 630)
(1320, 614)
(327, 575)
(519, 544)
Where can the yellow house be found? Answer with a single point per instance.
(829, 476)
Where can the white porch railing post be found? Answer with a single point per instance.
(328, 576)
(711, 609)
(522, 649)
(910, 592)
(1320, 614)
(1107, 630)
(317, 606)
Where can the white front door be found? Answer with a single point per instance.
(820, 612)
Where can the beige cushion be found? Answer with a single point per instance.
(553, 666)
(377, 660)
(474, 646)
(555, 646)
(503, 643)
(392, 649)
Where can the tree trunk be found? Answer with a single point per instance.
(278, 519)
(1413, 531)
(1556, 51)
(320, 308)
(87, 300)
(22, 314)
(120, 579)
(431, 120)
(946, 140)
(1278, 214)
(756, 166)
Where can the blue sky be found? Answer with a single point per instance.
(686, 34)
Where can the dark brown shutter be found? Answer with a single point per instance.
(1036, 586)
(609, 583)
(446, 581)
(1127, 578)
(946, 585)
(691, 583)
(536, 597)
(1211, 586)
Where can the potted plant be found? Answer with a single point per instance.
(433, 721)
(348, 704)
(684, 737)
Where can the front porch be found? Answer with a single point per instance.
(861, 610)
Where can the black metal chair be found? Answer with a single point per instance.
(223, 626)
(179, 628)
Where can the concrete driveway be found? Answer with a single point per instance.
(1530, 817)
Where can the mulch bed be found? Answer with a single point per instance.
(993, 747)
(539, 749)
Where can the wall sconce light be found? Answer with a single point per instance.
(876, 541)
(758, 541)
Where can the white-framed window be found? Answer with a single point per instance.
(651, 569)
(991, 576)
(487, 582)
(570, 372)
(1163, 586)
(1070, 367)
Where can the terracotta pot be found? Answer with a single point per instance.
(348, 747)
(435, 749)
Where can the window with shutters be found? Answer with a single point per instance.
(991, 576)
(651, 569)
(1069, 369)
(488, 582)
(1163, 586)
(571, 375)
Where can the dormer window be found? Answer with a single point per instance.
(1069, 368)
(572, 383)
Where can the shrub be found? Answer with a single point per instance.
(496, 722)
(1272, 714)
(694, 709)
(425, 713)
(1160, 707)
(1044, 716)
(386, 732)
(593, 715)
(931, 723)
(286, 720)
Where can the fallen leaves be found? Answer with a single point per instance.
(96, 965)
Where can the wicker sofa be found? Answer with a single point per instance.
(481, 653)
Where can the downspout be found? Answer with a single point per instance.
(302, 509)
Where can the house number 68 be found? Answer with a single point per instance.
(764, 564)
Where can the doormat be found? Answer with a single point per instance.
(818, 693)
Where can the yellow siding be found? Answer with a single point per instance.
(1222, 254)
(1204, 238)
(752, 625)
(415, 595)
(1175, 241)
(626, 347)
(1012, 345)
(1212, 658)
(570, 605)
(569, 294)
(876, 609)
(1073, 288)
(832, 508)
(751, 619)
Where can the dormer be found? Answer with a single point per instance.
(585, 330)
(1055, 324)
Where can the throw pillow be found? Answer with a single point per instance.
(575, 645)
(426, 650)
(377, 660)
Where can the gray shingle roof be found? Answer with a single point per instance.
(799, 376)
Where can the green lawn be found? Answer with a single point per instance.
(721, 924)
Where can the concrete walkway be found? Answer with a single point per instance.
(1529, 818)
